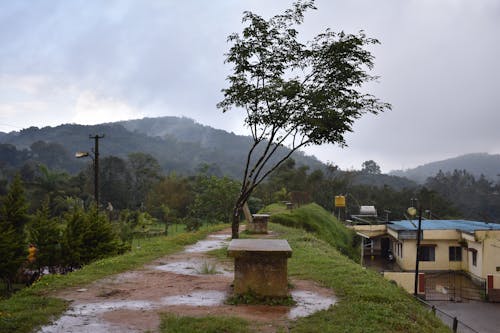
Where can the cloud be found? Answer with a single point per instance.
(89, 61)
(91, 109)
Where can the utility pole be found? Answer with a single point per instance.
(418, 248)
(96, 166)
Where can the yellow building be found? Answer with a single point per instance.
(469, 246)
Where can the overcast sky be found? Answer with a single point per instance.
(97, 61)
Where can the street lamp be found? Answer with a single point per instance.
(95, 159)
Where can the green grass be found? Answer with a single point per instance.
(33, 306)
(250, 298)
(274, 208)
(367, 302)
(175, 324)
(220, 254)
(313, 218)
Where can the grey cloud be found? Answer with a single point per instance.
(438, 63)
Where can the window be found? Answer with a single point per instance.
(455, 253)
(427, 253)
(474, 258)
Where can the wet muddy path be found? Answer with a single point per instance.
(132, 301)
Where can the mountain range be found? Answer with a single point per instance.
(182, 145)
(477, 164)
(179, 144)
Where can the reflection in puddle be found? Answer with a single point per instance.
(202, 298)
(193, 267)
(221, 236)
(83, 318)
(213, 242)
(308, 303)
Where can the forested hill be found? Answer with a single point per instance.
(179, 144)
(476, 164)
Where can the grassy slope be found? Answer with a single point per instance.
(367, 302)
(313, 218)
(32, 307)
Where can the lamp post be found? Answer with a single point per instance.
(95, 159)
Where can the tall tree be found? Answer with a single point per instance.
(13, 217)
(370, 167)
(145, 172)
(14, 208)
(115, 182)
(294, 94)
(212, 200)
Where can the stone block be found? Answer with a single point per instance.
(260, 266)
(258, 225)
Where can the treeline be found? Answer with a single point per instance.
(456, 194)
(290, 182)
(475, 197)
(32, 244)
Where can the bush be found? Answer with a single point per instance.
(89, 236)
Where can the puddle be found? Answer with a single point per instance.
(208, 244)
(191, 267)
(73, 324)
(202, 298)
(95, 308)
(308, 303)
(221, 236)
(83, 318)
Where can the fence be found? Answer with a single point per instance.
(456, 325)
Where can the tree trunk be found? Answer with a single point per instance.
(235, 226)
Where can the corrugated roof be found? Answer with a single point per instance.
(463, 225)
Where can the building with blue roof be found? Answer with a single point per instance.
(472, 247)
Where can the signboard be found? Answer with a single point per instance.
(339, 201)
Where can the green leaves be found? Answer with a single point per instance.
(310, 88)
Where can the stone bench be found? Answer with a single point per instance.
(260, 266)
(258, 225)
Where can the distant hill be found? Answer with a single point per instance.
(476, 164)
(380, 180)
(179, 144)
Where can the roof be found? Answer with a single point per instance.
(462, 225)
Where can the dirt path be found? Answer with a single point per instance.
(132, 301)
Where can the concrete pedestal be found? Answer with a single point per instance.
(260, 266)
(258, 225)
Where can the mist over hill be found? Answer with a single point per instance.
(476, 164)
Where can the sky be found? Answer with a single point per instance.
(93, 61)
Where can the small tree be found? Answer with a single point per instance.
(45, 234)
(89, 236)
(294, 94)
